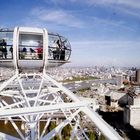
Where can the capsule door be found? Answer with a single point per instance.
(30, 48)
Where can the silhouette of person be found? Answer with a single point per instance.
(56, 52)
(39, 50)
(24, 50)
(4, 49)
(23, 53)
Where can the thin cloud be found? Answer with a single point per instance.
(1, 26)
(61, 17)
(127, 3)
(105, 44)
(129, 12)
(107, 22)
(124, 7)
(127, 6)
(55, 2)
(109, 53)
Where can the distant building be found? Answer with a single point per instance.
(120, 80)
(132, 78)
(132, 107)
(138, 76)
(112, 97)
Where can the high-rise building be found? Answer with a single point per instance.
(138, 76)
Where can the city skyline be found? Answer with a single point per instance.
(104, 32)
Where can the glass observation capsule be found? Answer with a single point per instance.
(32, 48)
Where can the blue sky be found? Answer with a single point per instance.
(101, 32)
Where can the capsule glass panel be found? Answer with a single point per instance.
(59, 48)
(6, 45)
(30, 47)
(65, 49)
(53, 48)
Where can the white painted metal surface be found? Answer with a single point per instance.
(35, 102)
(36, 98)
(40, 109)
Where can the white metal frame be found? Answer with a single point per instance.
(32, 103)
(36, 97)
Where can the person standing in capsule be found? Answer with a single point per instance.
(39, 50)
(3, 45)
